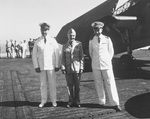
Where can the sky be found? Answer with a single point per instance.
(20, 19)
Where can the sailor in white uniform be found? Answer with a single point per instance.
(101, 52)
(46, 62)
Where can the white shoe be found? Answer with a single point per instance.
(41, 105)
(54, 104)
(101, 103)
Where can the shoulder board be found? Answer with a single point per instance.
(78, 41)
(65, 44)
(106, 36)
(53, 37)
(93, 38)
(37, 39)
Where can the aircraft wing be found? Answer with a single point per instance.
(82, 24)
(139, 28)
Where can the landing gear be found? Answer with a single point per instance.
(127, 61)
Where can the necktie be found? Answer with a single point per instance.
(98, 40)
(71, 43)
(44, 39)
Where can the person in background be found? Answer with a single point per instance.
(30, 44)
(101, 52)
(72, 66)
(45, 59)
(24, 49)
(8, 49)
(16, 49)
(12, 48)
(20, 46)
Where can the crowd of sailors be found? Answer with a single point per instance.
(15, 49)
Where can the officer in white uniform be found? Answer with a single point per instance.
(101, 52)
(46, 62)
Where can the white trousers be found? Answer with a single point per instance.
(24, 53)
(48, 78)
(106, 77)
(13, 53)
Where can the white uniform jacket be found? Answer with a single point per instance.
(101, 53)
(45, 55)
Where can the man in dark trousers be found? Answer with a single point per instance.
(30, 44)
(72, 67)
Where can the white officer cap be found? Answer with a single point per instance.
(97, 24)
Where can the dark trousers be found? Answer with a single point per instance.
(30, 50)
(73, 86)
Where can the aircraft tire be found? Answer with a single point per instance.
(127, 61)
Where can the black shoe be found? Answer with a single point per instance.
(101, 105)
(118, 108)
(69, 104)
(78, 105)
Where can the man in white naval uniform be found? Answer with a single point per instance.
(46, 62)
(101, 52)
